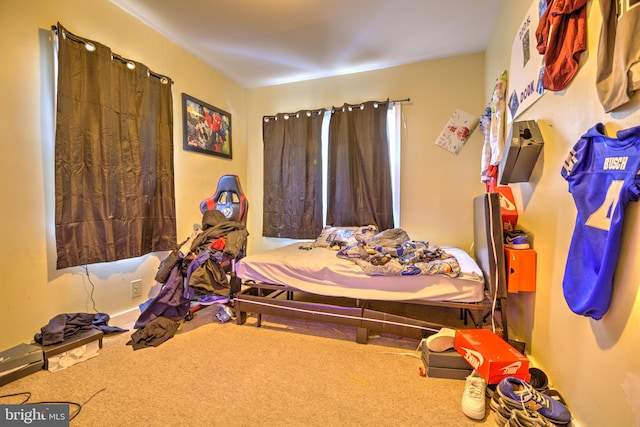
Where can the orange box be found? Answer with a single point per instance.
(491, 356)
(508, 208)
(521, 270)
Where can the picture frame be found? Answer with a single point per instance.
(206, 129)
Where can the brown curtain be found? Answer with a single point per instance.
(359, 174)
(293, 175)
(113, 156)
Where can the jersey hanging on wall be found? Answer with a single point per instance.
(618, 59)
(602, 173)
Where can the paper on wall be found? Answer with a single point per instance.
(457, 131)
(527, 65)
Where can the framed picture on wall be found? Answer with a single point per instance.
(207, 129)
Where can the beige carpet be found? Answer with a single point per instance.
(285, 373)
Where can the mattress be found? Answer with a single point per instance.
(319, 271)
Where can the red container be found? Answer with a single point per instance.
(508, 208)
(491, 356)
(521, 270)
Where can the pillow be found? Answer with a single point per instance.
(337, 238)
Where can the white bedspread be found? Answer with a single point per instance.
(320, 271)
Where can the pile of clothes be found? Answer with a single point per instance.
(65, 326)
(392, 253)
(198, 265)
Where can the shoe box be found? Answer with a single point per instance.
(508, 210)
(491, 356)
(521, 270)
(445, 364)
(20, 361)
(524, 145)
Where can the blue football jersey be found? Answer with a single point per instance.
(602, 173)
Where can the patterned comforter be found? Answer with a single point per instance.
(392, 253)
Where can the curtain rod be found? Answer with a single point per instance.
(122, 59)
(351, 105)
(360, 104)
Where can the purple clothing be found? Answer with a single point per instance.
(170, 301)
(64, 326)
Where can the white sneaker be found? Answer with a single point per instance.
(473, 398)
(442, 340)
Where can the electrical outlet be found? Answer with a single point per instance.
(136, 288)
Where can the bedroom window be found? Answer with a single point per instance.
(356, 181)
(394, 121)
(114, 179)
(292, 205)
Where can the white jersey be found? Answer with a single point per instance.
(618, 67)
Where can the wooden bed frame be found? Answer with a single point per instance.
(277, 300)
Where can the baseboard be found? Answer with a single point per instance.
(126, 319)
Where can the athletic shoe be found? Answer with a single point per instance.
(212, 299)
(526, 418)
(516, 239)
(506, 416)
(554, 394)
(519, 394)
(502, 411)
(442, 340)
(538, 379)
(473, 398)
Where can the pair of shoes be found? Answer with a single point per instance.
(473, 398)
(519, 394)
(506, 416)
(442, 340)
(516, 239)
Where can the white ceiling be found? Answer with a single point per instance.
(265, 42)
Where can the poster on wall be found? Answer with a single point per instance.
(457, 131)
(527, 65)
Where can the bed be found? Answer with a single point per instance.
(272, 279)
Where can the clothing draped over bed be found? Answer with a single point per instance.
(339, 263)
(292, 280)
(393, 253)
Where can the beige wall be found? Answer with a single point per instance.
(435, 183)
(32, 291)
(594, 364)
